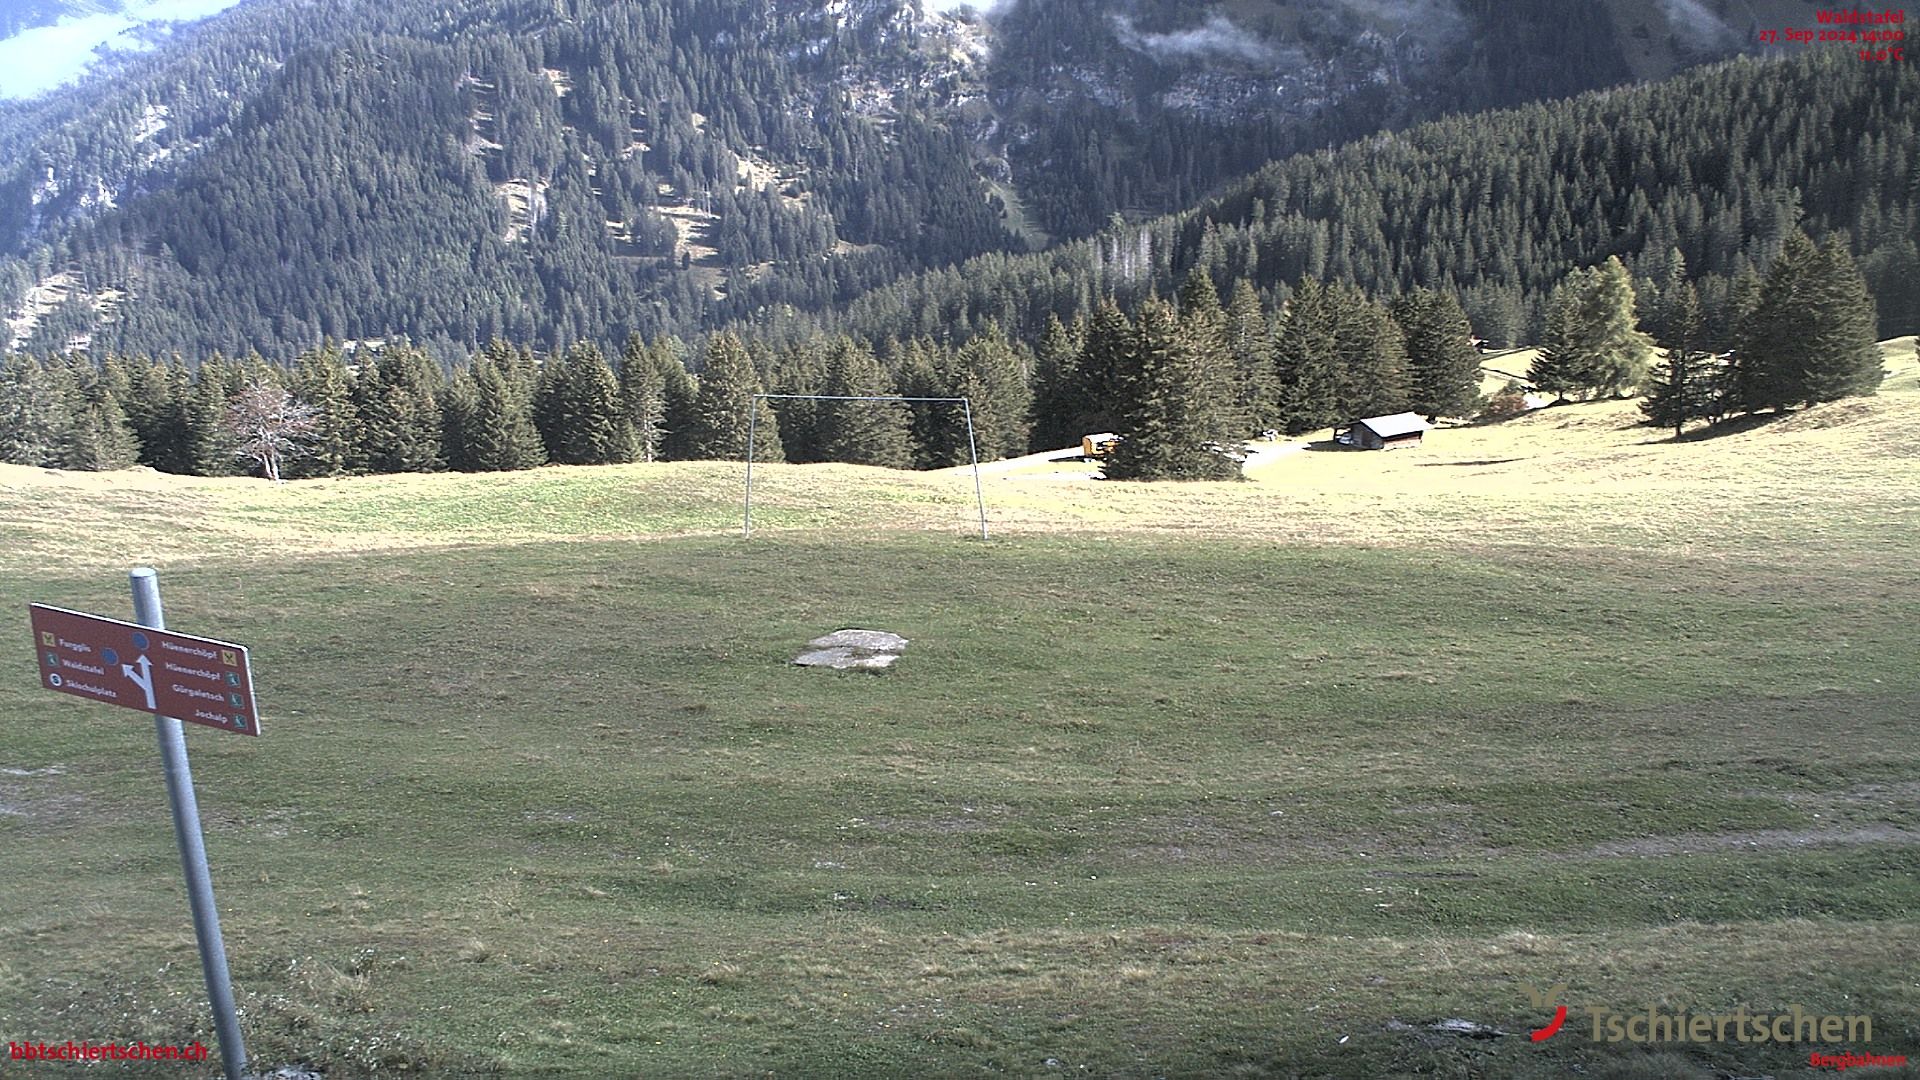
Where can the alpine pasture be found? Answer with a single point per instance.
(1174, 780)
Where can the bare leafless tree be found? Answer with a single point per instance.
(266, 424)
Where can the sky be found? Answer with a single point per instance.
(45, 57)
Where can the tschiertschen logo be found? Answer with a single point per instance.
(1548, 1000)
(1653, 1024)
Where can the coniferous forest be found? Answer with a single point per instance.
(452, 242)
(1183, 381)
(553, 172)
(1718, 166)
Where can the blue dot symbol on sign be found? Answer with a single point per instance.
(54, 679)
(110, 657)
(139, 640)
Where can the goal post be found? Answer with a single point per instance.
(753, 417)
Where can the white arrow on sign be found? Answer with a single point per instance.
(144, 680)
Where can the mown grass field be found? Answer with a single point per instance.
(1173, 781)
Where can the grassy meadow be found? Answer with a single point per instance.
(1253, 779)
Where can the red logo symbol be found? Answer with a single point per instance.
(1548, 1000)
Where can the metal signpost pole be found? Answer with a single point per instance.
(975, 454)
(193, 849)
(753, 414)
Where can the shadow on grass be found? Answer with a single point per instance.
(1483, 461)
(1738, 425)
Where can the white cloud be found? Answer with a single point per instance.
(1690, 17)
(1218, 35)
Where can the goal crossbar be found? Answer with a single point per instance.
(753, 417)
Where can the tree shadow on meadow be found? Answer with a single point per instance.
(1738, 425)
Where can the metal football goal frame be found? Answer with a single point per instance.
(753, 417)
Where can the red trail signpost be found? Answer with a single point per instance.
(139, 665)
(195, 679)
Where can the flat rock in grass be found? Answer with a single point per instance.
(1467, 1029)
(877, 641)
(844, 650)
(846, 659)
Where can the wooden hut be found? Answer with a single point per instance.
(1383, 432)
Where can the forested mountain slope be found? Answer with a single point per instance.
(1718, 165)
(551, 170)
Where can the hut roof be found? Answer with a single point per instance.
(1388, 427)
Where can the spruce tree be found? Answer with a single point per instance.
(1810, 334)
(34, 416)
(149, 406)
(119, 446)
(179, 421)
(458, 403)
(1662, 302)
(1561, 365)
(678, 392)
(500, 435)
(321, 379)
(989, 374)
(1249, 339)
(861, 432)
(1051, 412)
(936, 434)
(579, 411)
(1100, 387)
(1443, 367)
(1892, 272)
(1679, 390)
(1842, 356)
(1204, 325)
(1370, 363)
(1304, 361)
(643, 393)
(115, 374)
(516, 364)
(1174, 426)
(800, 369)
(1743, 301)
(724, 403)
(1771, 357)
(96, 436)
(397, 409)
(202, 409)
